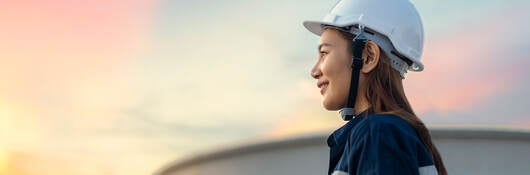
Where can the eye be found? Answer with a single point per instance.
(323, 53)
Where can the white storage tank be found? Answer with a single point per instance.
(465, 151)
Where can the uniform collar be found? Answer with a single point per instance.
(337, 140)
(339, 136)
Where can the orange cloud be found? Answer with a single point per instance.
(302, 123)
(3, 160)
(307, 117)
(65, 64)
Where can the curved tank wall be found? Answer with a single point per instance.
(465, 151)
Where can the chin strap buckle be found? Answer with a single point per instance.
(347, 113)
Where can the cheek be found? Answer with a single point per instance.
(336, 69)
(332, 66)
(338, 73)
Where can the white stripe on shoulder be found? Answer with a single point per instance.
(428, 170)
(337, 172)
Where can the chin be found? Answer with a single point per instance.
(330, 106)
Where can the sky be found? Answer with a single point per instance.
(124, 87)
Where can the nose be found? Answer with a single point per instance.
(315, 71)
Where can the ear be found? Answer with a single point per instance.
(371, 54)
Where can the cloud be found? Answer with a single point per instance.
(65, 71)
(469, 67)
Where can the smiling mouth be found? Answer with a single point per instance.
(323, 86)
(320, 83)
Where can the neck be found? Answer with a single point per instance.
(361, 104)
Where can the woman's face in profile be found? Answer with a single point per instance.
(333, 70)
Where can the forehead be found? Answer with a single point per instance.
(331, 36)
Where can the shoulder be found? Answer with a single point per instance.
(391, 137)
(383, 125)
(389, 122)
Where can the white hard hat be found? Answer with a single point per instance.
(396, 21)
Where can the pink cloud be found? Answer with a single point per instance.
(92, 25)
(462, 69)
(525, 123)
(52, 47)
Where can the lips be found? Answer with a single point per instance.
(322, 84)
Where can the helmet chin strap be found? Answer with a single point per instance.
(359, 42)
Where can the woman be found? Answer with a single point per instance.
(366, 47)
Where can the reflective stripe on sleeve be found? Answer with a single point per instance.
(428, 170)
(337, 172)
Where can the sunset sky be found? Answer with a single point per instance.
(126, 86)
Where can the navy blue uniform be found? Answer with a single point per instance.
(380, 144)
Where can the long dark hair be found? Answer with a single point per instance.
(383, 88)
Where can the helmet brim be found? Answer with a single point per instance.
(317, 27)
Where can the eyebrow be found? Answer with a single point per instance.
(324, 44)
